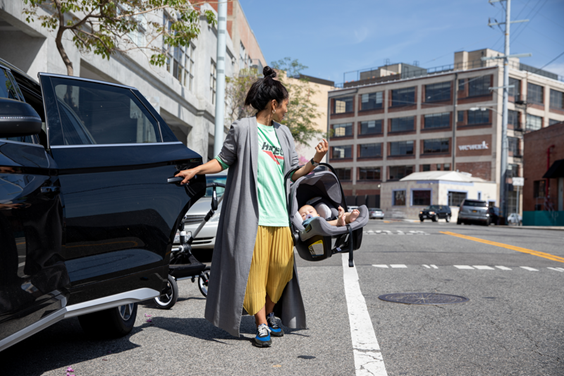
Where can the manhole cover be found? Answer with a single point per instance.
(422, 298)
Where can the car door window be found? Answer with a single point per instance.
(91, 113)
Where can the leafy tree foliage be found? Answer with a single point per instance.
(302, 112)
(236, 91)
(105, 27)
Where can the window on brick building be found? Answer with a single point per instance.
(371, 101)
(439, 167)
(343, 173)
(342, 130)
(512, 170)
(539, 188)
(461, 83)
(556, 99)
(403, 97)
(399, 198)
(439, 145)
(402, 124)
(513, 118)
(514, 91)
(401, 148)
(343, 105)
(399, 172)
(460, 116)
(478, 117)
(456, 198)
(341, 152)
(371, 127)
(479, 86)
(553, 121)
(370, 150)
(421, 198)
(513, 146)
(369, 173)
(426, 167)
(535, 93)
(533, 122)
(434, 121)
(437, 92)
(446, 167)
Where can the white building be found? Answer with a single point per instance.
(182, 91)
(420, 189)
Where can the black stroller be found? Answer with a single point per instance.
(183, 264)
(319, 240)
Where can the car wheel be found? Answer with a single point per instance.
(421, 219)
(435, 219)
(169, 295)
(110, 323)
(447, 218)
(458, 222)
(203, 281)
(488, 221)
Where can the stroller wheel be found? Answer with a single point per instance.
(203, 280)
(169, 295)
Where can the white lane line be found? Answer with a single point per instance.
(483, 267)
(463, 267)
(529, 268)
(396, 266)
(380, 265)
(368, 358)
(502, 267)
(434, 266)
(557, 269)
(427, 266)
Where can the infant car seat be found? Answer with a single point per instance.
(319, 240)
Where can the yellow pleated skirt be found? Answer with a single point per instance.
(271, 268)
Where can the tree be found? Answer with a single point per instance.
(236, 91)
(302, 112)
(106, 26)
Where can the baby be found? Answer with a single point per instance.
(308, 212)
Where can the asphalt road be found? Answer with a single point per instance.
(512, 324)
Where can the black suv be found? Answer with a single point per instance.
(87, 215)
(435, 212)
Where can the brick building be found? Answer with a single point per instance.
(543, 192)
(400, 118)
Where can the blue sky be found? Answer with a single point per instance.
(333, 37)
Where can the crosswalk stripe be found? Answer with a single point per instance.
(529, 268)
(434, 266)
(557, 269)
(502, 267)
(368, 359)
(463, 267)
(483, 267)
(396, 266)
(380, 265)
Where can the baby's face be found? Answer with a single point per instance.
(308, 209)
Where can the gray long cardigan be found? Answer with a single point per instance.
(237, 231)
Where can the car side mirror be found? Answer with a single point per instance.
(18, 119)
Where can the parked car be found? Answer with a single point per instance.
(87, 213)
(351, 208)
(196, 214)
(515, 219)
(473, 211)
(376, 213)
(435, 212)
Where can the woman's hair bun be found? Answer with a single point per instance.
(269, 72)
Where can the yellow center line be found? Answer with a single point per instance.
(507, 246)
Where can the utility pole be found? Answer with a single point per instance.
(220, 92)
(505, 87)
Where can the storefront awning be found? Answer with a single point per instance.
(555, 171)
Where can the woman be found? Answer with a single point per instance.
(253, 260)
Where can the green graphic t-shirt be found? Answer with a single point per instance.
(270, 179)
